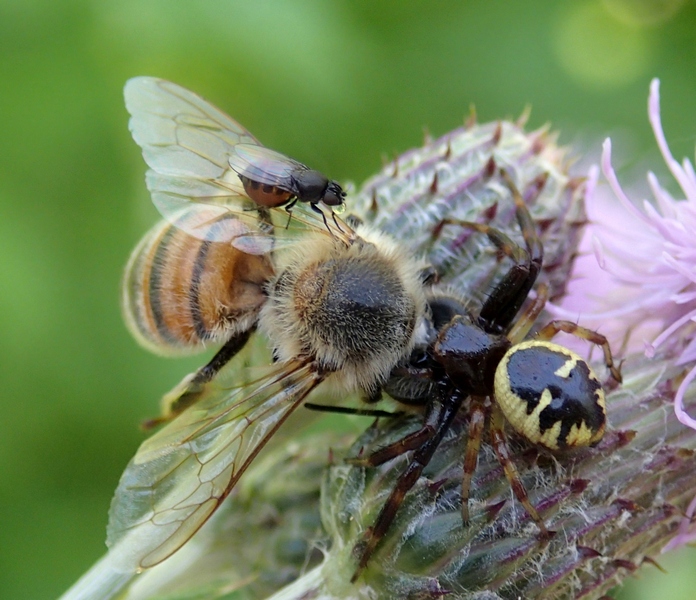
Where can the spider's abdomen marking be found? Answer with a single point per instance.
(550, 395)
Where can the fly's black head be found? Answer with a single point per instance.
(334, 194)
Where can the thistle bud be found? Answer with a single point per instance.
(263, 536)
(612, 507)
(459, 177)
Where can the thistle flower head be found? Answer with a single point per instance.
(457, 177)
(613, 507)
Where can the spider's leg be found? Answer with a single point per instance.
(441, 411)
(502, 304)
(503, 453)
(479, 411)
(524, 218)
(521, 327)
(349, 410)
(550, 330)
(506, 299)
(409, 442)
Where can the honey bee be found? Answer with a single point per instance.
(337, 304)
(181, 292)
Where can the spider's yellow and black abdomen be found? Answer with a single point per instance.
(550, 395)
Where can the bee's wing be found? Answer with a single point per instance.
(244, 230)
(265, 166)
(179, 476)
(186, 141)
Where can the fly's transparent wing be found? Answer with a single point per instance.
(186, 141)
(265, 166)
(179, 476)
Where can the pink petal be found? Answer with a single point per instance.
(657, 342)
(609, 173)
(688, 185)
(679, 401)
(683, 536)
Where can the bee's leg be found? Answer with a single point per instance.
(188, 391)
(411, 372)
(502, 451)
(264, 215)
(348, 410)
(429, 275)
(372, 397)
(353, 221)
(477, 420)
(441, 411)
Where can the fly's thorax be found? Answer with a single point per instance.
(180, 293)
(311, 185)
(353, 309)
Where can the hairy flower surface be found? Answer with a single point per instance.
(458, 177)
(612, 508)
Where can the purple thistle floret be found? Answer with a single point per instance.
(666, 264)
(648, 258)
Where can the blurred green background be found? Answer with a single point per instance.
(332, 83)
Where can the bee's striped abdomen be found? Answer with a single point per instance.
(181, 292)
